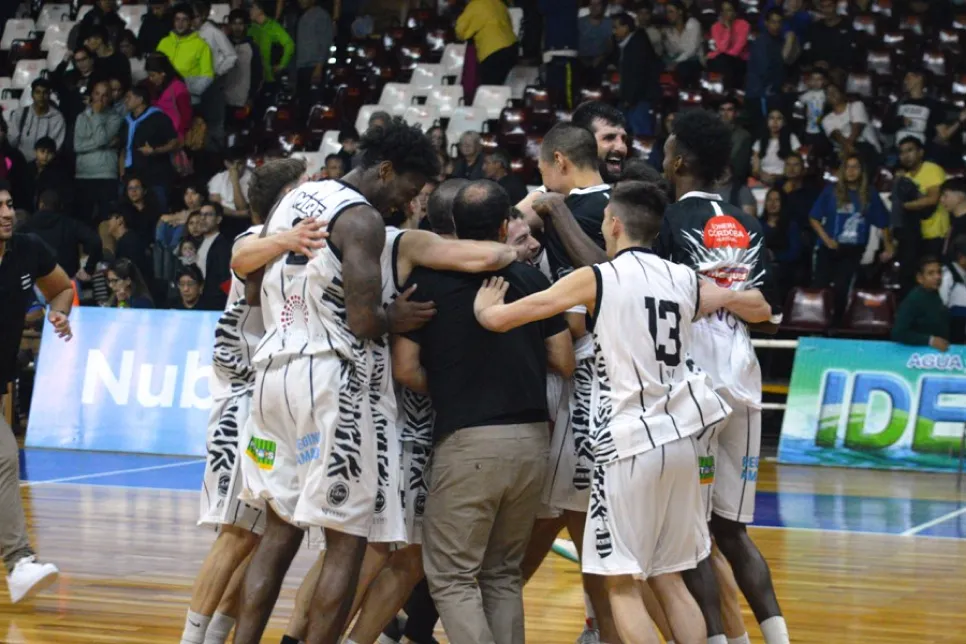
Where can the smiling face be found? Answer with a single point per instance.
(7, 215)
(518, 237)
(611, 148)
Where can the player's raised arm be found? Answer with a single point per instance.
(581, 249)
(580, 287)
(423, 248)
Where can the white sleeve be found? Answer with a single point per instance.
(857, 112)
(796, 144)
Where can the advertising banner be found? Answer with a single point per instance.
(129, 381)
(861, 403)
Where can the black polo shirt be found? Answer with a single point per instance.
(477, 377)
(26, 258)
(156, 130)
(587, 206)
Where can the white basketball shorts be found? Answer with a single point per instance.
(311, 451)
(646, 517)
(415, 459)
(736, 462)
(388, 519)
(222, 482)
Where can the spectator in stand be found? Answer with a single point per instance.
(595, 42)
(948, 146)
(65, 236)
(437, 135)
(830, 40)
(230, 189)
(841, 218)
(682, 44)
(128, 45)
(188, 248)
(796, 22)
(349, 140)
(313, 38)
(128, 288)
(640, 87)
(223, 59)
(108, 61)
(140, 209)
(127, 244)
(729, 45)
(30, 123)
(798, 195)
(267, 34)
(13, 165)
(847, 126)
(173, 97)
(470, 163)
(214, 258)
(155, 26)
(47, 172)
(814, 99)
(915, 114)
(561, 45)
(736, 193)
(928, 178)
(740, 140)
(148, 138)
(118, 97)
(72, 86)
(245, 79)
(952, 290)
(188, 52)
(952, 197)
(768, 153)
(103, 14)
(783, 239)
(487, 23)
(191, 284)
(334, 167)
(923, 319)
(645, 22)
(95, 148)
(496, 167)
(171, 228)
(766, 67)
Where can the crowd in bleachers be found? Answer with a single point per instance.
(847, 120)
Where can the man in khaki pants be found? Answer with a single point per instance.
(25, 261)
(491, 437)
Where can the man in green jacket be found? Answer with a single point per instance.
(267, 33)
(922, 318)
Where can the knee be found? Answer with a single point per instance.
(727, 534)
(409, 563)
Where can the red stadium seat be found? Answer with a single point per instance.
(808, 310)
(934, 62)
(512, 129)
(869, 313)
(323, 118)
(879, 62)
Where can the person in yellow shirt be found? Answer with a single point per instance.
(487, 23)
(929, 178)
(189, 54)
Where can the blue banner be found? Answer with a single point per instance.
(129, 381)
(862, 403)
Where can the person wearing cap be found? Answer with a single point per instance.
(30, 123)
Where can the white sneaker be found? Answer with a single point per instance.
(29, 578)
(589, 636)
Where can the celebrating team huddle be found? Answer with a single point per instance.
(438, 404)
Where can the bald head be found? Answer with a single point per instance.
(439, 209)
(481, 210)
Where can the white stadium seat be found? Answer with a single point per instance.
(465, 119)
(425, 116)
(219, 13)
(138, 73)
(52, 14)
(519, 78)
(425, 77)
(516, 19)
(362, 121)
(27, 71)
(56, 35)
(15, 30)
(330, 144)
(492, 98)
(132, 15)
(55, 56)
(446, 98)
(5, 82)
(8, 105)
(396, 97)
(454, 58)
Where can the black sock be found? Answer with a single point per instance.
(288, 640)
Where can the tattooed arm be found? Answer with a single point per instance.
(361, 234)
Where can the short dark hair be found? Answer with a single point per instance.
(46, 143)
(329, 157)
(97, 31)
(192, 271)
(348, 134)
(704, 140)
(123, 215)
(217, 207)
(573, 142)
(955, 184)
(439, 208)
(268, 181)
(926, 260)
(236, 153)
(910, 139)
(958, 247)
(500, 156)
(625, 19)
(405, 146)
(49, 199)
(201, 7)
(773, 11)
(238, 14)
(5, 186)
(480, 209)
(794, 155)
(640, 207)
(183, 7)
(141, 92)
(638, 169)
(40, 82)
(589, 111)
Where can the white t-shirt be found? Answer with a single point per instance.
(770, 161)
(814, 101)
(855, 113)
(220, 185)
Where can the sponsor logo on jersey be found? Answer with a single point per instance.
(294, 313)
(262, 451)
(724, 231)
(706, 469)
(338, 494)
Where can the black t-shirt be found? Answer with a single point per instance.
(477, 377)
(587, 206)
(26, 259)
(114, 66)
(156, 130)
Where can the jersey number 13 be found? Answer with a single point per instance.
(664, 323)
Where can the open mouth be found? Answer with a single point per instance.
(614, 164)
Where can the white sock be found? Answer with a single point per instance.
(219, 628)
(775, 630)
(739, 640)
(589, 611)
(718, 639)
(194, 628)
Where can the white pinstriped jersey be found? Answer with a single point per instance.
(649, 392)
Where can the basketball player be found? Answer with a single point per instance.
(726, 245)
(312, 454)
(25, 262)
(646, 518)
(237, 334)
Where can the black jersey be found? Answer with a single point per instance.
(587, 206)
